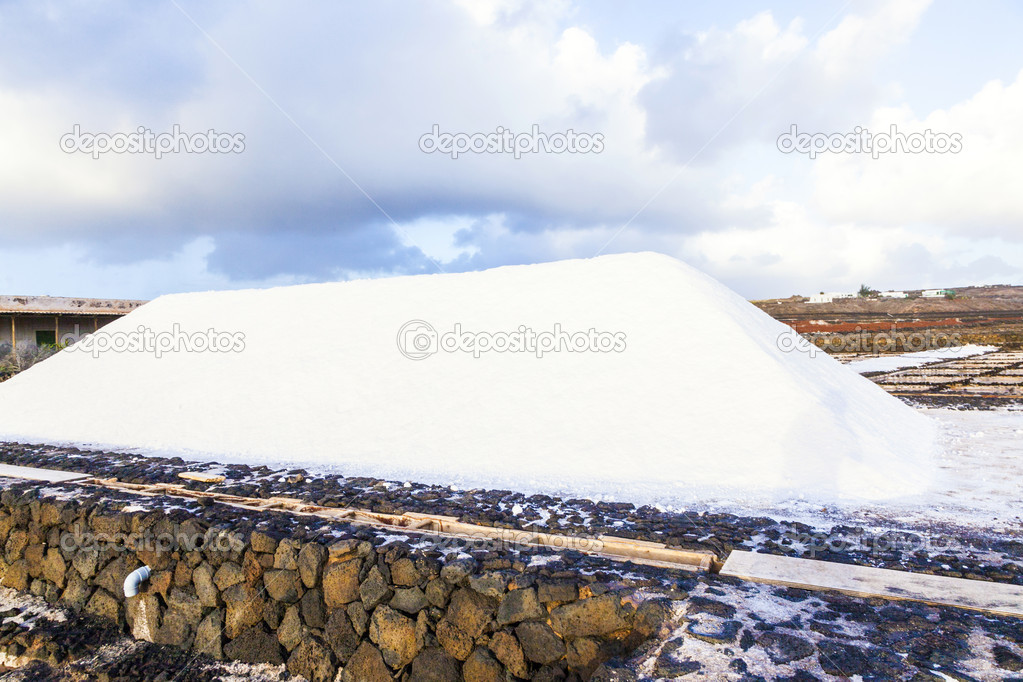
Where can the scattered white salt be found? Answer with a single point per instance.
(892, 362)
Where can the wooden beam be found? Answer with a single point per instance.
(1000, 599)
(34, 474)
(607, 546)
(201, 477)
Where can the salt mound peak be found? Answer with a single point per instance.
(675, 389)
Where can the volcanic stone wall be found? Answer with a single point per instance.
(358, 609)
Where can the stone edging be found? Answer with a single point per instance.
(354, 609)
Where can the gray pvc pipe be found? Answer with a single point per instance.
(134, 580)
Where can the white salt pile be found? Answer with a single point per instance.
(677, 386)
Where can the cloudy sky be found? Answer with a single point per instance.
(329, 103)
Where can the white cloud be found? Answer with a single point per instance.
(364, 82)
(370, 86)
(973, 192)
(860, 40)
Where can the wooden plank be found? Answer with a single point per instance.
(621, 549)
(703, 560)
(864, 581)
(642, 543)
(434, 517)
(33, 474)
(201, 477)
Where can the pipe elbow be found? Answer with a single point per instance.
(135, 580)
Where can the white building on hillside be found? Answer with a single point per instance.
(937, 293)
(894, 294)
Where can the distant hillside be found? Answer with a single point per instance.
(970, 302)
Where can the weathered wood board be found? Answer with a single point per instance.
(864, 581)
(620, 549)
(201, 477)
(33, 474)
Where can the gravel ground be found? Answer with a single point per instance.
(734, 630)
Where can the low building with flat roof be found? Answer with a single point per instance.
(43, 320)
